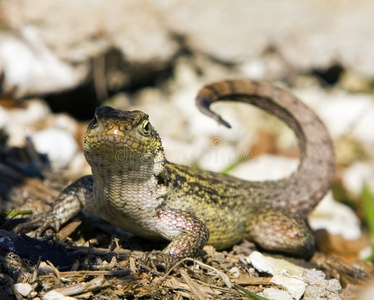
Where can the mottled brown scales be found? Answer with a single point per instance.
(134, 187)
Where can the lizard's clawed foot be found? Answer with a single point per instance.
(41, 223)
(160, 261)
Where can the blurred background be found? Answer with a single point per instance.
(59, 60)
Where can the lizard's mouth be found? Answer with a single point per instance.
(114, 138)
(113, 146)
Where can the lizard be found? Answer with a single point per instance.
(134, 187)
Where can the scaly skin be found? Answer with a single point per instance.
(135, 188)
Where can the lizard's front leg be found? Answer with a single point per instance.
(70, 201)
(187, 234)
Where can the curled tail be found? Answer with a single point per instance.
(301, 191)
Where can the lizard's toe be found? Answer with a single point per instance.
(40, 222)
(160, 261)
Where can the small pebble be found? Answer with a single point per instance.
(23, 288)
(275, 294)
(58, 144)
(235, 272)
(294, 286)
(53, 295)
(355, 175)
(260, 263)
(320, 288)
(336, 218)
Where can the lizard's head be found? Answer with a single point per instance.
(124, 137)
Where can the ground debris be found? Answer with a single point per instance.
(112, 272)
(103, 278)
(34, 250)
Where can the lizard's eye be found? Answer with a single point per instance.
(146, 128)
(95, 121)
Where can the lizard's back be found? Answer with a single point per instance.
(221, 201)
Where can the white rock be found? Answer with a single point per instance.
(36, 110)
(272, 265)
(58, 144)
(32, 67)
(294, 286)
(275, 294)
(342, 113)
(314, 276)
(19, 122)
(350, 114)
(23, 288)
(254, 69)
(4, 118)
(235, 272)
(320, 288)
(336, 218)
(355, 175)
(249, 32)
(366, 252)
(260, 263)
(334, 285)
(266, 167)
(65, 122)
(53, 295)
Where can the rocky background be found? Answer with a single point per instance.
(61, 59)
